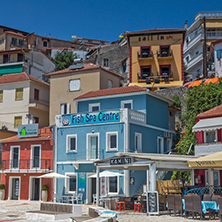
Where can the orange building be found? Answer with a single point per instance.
(156, 58)
(23, 160)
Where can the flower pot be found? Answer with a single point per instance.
(2, 194)
(44, 195)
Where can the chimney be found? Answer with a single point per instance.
(185, 24)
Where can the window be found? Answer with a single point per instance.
(71, 183)
(65, 108)
(20, 57)
(144, 38)
(187, 59)
(6, 58)
(160, 148)
(113, 185)
(164, 51)
(139, 39)
(145, 72)
(14, 41)
(19, 94)
(169, 144)
(110, 84)
(197, 52)
(14, 156)
(210, 136)
(127, 104)
(21, 42)
(111, 141)
(74, 85)
(2, 40)
(219, 53)
(162, 37)
(94, 107)
(36, 119)
(106, 62)
(35, 156)
(17, 121)
(165, 71)
(1, 96)
(145, 52)
(124, 67)
(71, 143)
(216, 177)
(45, 44)
(138, 142)
(36, 94)
(93, 146)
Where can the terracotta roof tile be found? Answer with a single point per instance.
(17, 77)
(113, 91)
(216, 111)
(88, 66)
(44, 133)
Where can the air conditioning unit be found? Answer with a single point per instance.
(166, 134)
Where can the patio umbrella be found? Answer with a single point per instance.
(107, 173)
(209, 161)
(53, 175)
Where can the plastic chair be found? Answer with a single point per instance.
(79, 197)
(74, 198)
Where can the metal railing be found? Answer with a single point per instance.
(164, 54)
(158, 76)
(203, 189)
(144, 55)
(26, 164)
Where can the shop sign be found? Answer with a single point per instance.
(28, 130)
(91, 118)
(152, 202)
(121, 161)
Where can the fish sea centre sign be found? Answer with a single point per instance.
(28, 130)
(91, 118)
(121, 161)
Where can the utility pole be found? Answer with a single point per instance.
(205, 50)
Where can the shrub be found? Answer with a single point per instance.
(45, 187)
(2, 186)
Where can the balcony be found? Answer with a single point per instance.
(214, 34)
(145, 56)
(164, 54)
(94, 154)
(27, 165)
(137, 117)
(207, 148)
(38, 104)
(194, 61)
(164, 77)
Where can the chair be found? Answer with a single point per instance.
(74, 198)
(94, 199)
(57, 197)
(148, 81)
(197, 207)
(170, 201)
(215, 198)
(207, 197)
(178, 204)
(79, 197)
(220, 208)
(188, 204)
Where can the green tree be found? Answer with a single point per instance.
(64, 59)
(199, 99)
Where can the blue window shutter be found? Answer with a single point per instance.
(219, 53)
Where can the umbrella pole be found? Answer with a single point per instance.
(97, 186)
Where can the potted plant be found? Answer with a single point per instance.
(44, 193)
(2, 191)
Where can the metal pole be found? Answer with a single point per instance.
(192, 177)
(97, 186)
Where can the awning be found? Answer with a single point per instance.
(210, 161)
(11, 69)
(208, 124)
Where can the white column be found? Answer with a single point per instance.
(147, 180)
(97, 186)
(152, 177)
(211, 177)
(192, 177)
(127, 182)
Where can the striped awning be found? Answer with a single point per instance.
(208, 124)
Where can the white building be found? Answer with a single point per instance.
(193, 45)
(22, 94)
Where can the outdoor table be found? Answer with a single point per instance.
(209, 205)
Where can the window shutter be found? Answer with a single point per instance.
(62, 109)
(219, 53)
(19, 94)
(1, 95)
(68, 108)
(17, 121)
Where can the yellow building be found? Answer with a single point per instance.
(156, 58)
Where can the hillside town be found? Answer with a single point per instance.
(93, 130)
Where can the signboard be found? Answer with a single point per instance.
(103, 186)
(121, 161)
(82, 184)
(152, 202)
(91, 118)
(28, 130)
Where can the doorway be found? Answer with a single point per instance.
(15, 188)
(34, 188)
(91, 188)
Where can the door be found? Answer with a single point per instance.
(15, 157)
(91, 189)
(36, 157)
(93, 147)
(15, 189)
(35, 189)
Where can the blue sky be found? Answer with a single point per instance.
(99, 19)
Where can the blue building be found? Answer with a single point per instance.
(128, 119)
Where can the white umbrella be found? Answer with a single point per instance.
(53, 175)
(107, 173)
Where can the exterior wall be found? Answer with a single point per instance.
(105, 77)
(10, 108)
(139, 178)
(218, 65)
(59, 90)
(2, 45)
(155, 62)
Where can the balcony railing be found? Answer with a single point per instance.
(164, 54)
(207, 148)
(145, 55)
(163, 77)
(40, 101)
(216, 34)
(93, 154)
(135, 116)
(27, 164)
